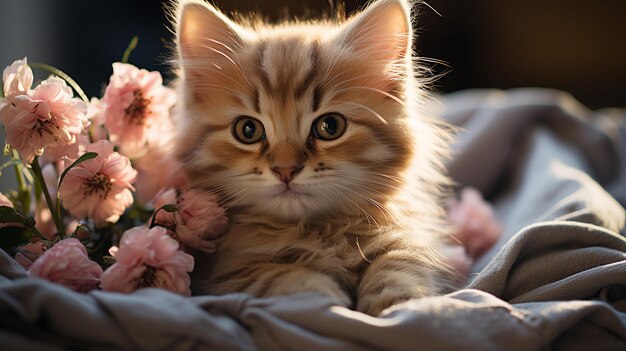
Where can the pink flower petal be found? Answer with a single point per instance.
(199, 218)
(148, 257)
(474, 222)
(133, 117)
(66, 263)
(48, 116)
(99, 188)
(17, 78)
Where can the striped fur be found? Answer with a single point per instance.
(365, 220)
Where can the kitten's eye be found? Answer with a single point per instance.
(329, 126)
(248, 130)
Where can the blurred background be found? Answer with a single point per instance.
(574, 45)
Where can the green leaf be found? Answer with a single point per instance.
(38, 190)
(166, 208)
(23, 199)
(81, 228)
(12, 237)
(83, 158)
(108, 260)
(38, 175)
(169, 208)
(28, 175)
(8, 164)
(10, 215)
(131, 46)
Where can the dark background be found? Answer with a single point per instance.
(577, 46)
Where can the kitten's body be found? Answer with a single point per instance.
(355, 216)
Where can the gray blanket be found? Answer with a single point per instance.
(556, 173)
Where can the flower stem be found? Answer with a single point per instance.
(63, 76)
(90, 132)
(58, 213)
(166, 208)
(131, 46)
(22, 189)
(53, 212)
(21, 184)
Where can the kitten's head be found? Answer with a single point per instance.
(299, 119)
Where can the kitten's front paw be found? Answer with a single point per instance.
(375, 304)
(384, 287)
(304, 280)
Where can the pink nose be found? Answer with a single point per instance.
(286, 174)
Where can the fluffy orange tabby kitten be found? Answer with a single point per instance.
(310, 133)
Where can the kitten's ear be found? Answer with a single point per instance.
(383, 31)
(204, 32)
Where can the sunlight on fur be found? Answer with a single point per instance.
(313, 137)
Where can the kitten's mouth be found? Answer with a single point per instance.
(289, 192)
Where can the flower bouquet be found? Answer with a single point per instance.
(100, 202)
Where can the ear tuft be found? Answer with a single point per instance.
(204, 32)
(383, 30)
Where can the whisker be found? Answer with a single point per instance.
(387, 176)
(220, 87)
(236, 65)
(331, 68)
(377, 204)
(432, 60)
(367, 109)
(345, 81)
(370, 189)
(218, 71)
(394, 98)
(372, 181)
(221, 43)
(432, 8)
(215, 179)
(330, 200)
(368, 216)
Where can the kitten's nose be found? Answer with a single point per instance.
(286, 174)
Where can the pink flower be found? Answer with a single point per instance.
(156, 170)
(201, 214)
(136, 108)
(45, 224)
(474, 222)
(71, 151)
(46, 116)
(96, 118)
(148, 258)
(43, 220)
(199, 218)
(66, 263)
(99, 188)
(17, 78)
(166, 197)
(27, 254)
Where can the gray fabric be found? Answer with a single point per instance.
(539, 155)
(556, 281)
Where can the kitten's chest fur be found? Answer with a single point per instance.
(340, 250)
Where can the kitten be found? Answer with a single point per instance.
(311, 135)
